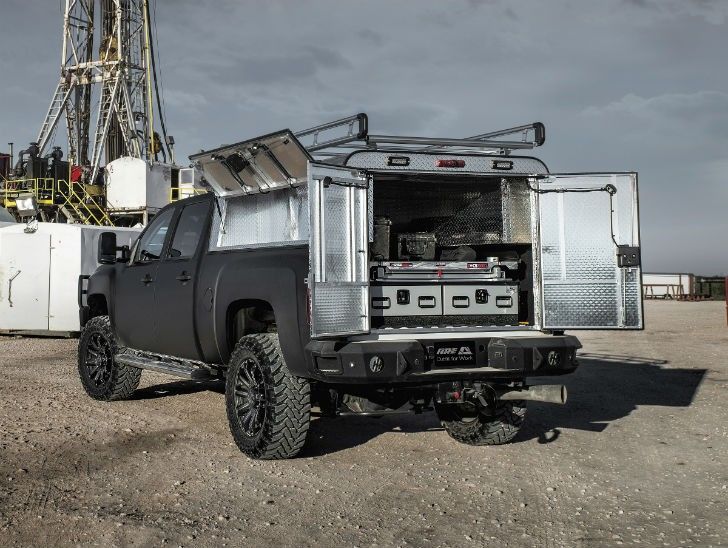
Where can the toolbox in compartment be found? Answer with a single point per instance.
(480, 299)
(484, 299)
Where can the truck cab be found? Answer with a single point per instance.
(369, 274)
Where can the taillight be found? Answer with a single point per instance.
(449, 163)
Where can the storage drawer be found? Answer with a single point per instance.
(467, 300)
(406, 300)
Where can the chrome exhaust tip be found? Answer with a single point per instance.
(549, 393)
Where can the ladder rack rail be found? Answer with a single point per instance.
(356, 136)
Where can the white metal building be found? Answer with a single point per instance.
(39, 273)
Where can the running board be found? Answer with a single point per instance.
(177, 369)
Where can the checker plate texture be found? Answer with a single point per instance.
(423, 163)
(582, 284)
(339, 308)
(277, 217)
(339, 235)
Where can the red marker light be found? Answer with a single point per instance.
(449, 163)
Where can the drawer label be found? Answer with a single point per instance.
(455, 353)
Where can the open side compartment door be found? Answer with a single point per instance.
(588, 251)
(338, 277)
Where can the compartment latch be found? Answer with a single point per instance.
(628, 256)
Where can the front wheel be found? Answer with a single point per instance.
(101, 376)
(483, 427)
(269, 409)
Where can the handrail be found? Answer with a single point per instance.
(85, 207)
(80, 204)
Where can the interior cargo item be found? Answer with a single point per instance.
(417, 246)
(460, 253)
(439, 271)
(382, 233)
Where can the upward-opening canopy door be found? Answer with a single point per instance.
(265, 163)
(338, 279)
(589, 251)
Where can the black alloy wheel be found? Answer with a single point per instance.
(101, 376)
(250, 397)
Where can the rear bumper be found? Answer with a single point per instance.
(414, 361)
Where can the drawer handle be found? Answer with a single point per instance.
(504, 302)
(461, 302)
(381, 303)
(427, 302)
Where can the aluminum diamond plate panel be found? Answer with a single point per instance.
(338, 251)
(278, 217)
(424, 163)
(581, 225)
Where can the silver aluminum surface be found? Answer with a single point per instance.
(461, 299)
(425, 163)
(339, 233)
(424, 300)
(262, 164)
(260, 220)
(582, 285)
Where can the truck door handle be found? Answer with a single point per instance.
(147, 279)
(184, 277)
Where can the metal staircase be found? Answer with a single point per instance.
(76, 204)
(81, 206)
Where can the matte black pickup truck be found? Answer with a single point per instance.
(372, 283)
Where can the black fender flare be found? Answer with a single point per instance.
(279, 287)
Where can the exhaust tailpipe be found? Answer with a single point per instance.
(549, 393)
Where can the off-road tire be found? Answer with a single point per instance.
(102, 377)
(495, 428)
(278, 429)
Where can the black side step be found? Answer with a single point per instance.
(182, 369)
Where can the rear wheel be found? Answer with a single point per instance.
(483, 427)
(101, 376)
(269, 409)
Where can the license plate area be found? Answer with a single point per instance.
(455, 354)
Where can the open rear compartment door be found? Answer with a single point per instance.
(338, 279)
(588, 251)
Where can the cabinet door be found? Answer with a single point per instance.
(338, 277)
(588, 251)
(24, 282)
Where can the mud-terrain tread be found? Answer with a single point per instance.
(289, 408)
(125, 379)
(496, 429)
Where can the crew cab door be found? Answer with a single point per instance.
(588, 251)
(133, 306)
(338, 277)
(176, 282)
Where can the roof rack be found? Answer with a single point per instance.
(352, 133)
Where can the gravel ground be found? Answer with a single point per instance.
(638, 455)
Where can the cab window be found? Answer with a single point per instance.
(152, 241)
(191, 223)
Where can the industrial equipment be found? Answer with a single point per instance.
(109, 99)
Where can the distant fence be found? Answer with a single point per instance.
(683, 287)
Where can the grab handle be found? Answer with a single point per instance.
(10, 287)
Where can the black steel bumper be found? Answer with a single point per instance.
(429, 361)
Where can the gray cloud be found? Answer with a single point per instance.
(621, 85)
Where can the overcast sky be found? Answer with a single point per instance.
(621, 85)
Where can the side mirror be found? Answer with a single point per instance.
(107, 248)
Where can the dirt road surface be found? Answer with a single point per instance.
(638, 455)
